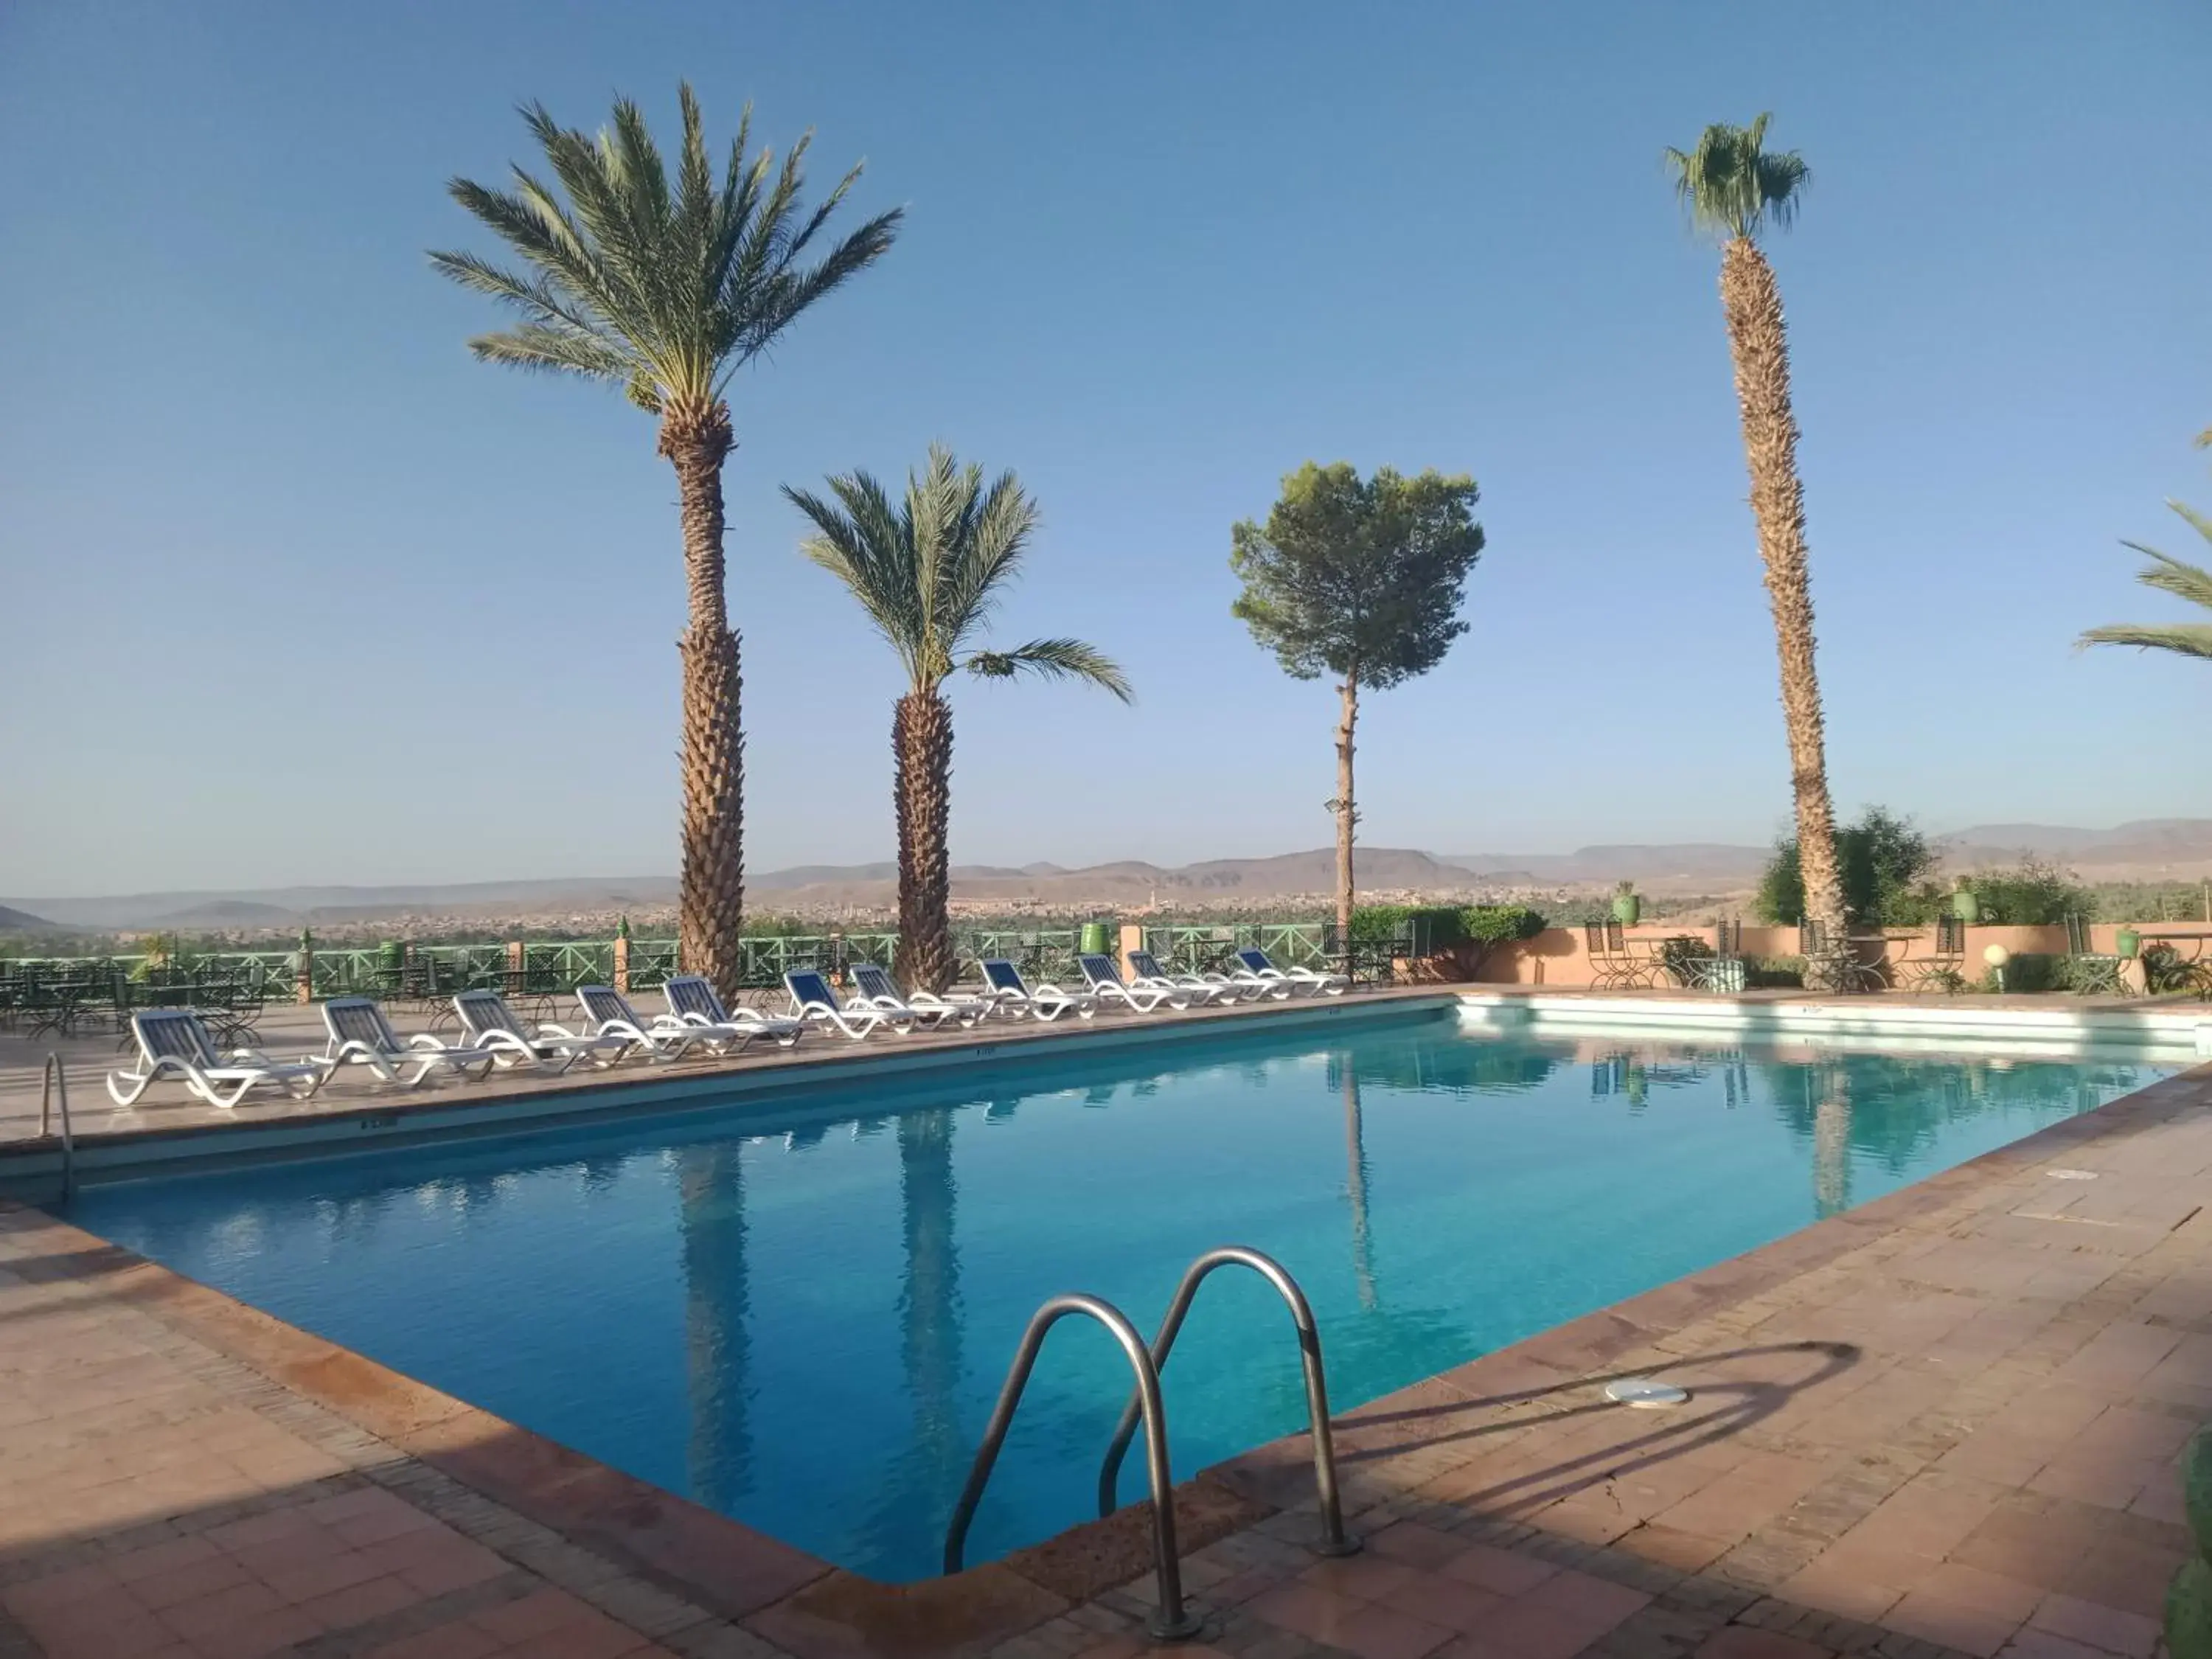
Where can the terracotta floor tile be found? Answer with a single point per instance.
(445, 1642)
(1952, 1622)
(1854, 1589)
(1504, 1571)
(2130, 1574)
(191, 1581)
(530, 1615)
(1451, 1602)
(1743, 1642)
(2029, 1642)
(2129, 1634)
(1523, 1633)
(356, 1604)
(1669, 1546)
(257, 1636)
(1415, 1545)
(318, 1578)
(1369, 1577)
(1597, 1602)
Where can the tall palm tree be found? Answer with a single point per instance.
(1734, 188)
(666, 283)
(929, 572)
(2169, 575)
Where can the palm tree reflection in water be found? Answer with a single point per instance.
(929, 1301)
(711, 1191)
(1355, 1158)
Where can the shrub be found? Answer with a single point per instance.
(2032, 895)
(1430, 928)
(1885, 863)
(1499, 924)
(2029, 971)
(1774, 973)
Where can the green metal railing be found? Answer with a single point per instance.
(1187, 949)
(554, 967)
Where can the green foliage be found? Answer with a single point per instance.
(1500, 924)
(1430, 927)
(1885, 861)
(2184, 581)
(1731, 186)
(930, 572)
(661, 281)
(2028, 971)
(1363, 579)
(2032, 894)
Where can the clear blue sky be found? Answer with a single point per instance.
(296, 591)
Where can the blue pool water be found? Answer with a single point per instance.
(804, 1327)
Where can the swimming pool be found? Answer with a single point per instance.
(802, 1319)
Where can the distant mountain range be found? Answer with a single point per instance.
(2151, 848)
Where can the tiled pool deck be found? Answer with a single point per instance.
(1945, 1422)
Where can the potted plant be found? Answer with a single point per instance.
(1626, 905)
(1965, 904)
(2127, 942)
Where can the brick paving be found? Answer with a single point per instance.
(1946, 1423)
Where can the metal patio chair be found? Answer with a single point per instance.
(1944, 969)
(2091, 973)
(1612, 968)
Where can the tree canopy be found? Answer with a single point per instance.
(664, 283)
(929, 571)
(1360, 579)
(1884, 861)
(1732, 185)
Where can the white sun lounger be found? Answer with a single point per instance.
(693, 1000)
(174, 1043)
(490, 1023)
(813, 1001)
(1104, 980)
(1203, 987)
(361, 1035)
(1039, 1002)
(1283, 982)
(875, 990)
(607, 1013)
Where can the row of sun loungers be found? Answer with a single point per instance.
(174, 1044)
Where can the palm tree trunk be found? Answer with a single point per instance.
(711, 889)
(1346, 815)
(1760, 347)
(922, 753)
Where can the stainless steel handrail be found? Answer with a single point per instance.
(1172, 1623)
(53, 1086)
(1334, 1540)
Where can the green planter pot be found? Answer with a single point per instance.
(1965, 907)
(1094, 940)
(1626, 908)
(2129, 944)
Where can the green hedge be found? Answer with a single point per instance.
(1435, 927)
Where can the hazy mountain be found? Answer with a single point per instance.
(22, 921)
(2148, 848)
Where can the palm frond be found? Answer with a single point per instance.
(927, 571)
(1732, 185)
(679, 276)
(1068, 659)
(868, 544)
(2188, 639)
(1000, 522)
(533, 346)
(2169, 575)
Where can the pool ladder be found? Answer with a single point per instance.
(53, 1089)
(1173, 1622)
